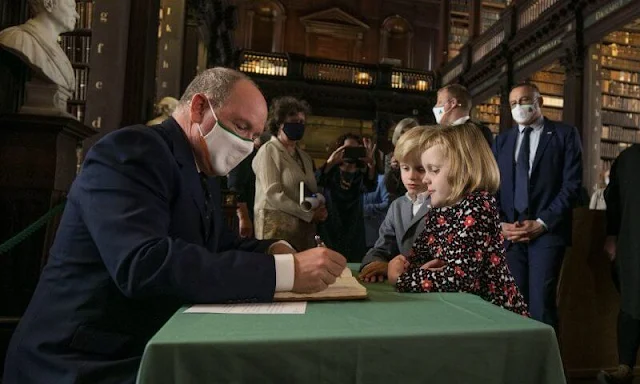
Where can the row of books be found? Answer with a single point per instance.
(621, 37)
(77, 110)
(629, 77)
(85, 11)
(621, 119)
(82, 77)
(77, 48)
(548, 77)
(618, 63)
(621, 89)
(611, 132)
(621, 51)
(618, 102)
(488, 118)
(612, 150)
(552, 113)
(605, 164)
(551, 89)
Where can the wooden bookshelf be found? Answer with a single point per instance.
(459, 20)
(619, 77)
(489, 114)
(551, 81)
(77, 45)
(490, 13)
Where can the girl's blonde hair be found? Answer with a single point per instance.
(472, 166)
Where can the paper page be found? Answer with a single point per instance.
(346, 273)
(290, 308)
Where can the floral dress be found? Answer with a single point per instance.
(467, 237)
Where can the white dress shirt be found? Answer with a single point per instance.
(534, 140)
(416, 202)
(285, 268)
(461, 120)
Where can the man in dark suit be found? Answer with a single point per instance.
(623, 247)
(453, 107)
(540, 165)
(143, 234)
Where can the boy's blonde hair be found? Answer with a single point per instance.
(408, 146)
(472, 166)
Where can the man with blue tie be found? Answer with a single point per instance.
(540, 165)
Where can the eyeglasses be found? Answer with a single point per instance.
(524, 100)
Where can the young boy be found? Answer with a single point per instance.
(405, 218)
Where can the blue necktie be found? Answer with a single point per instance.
(521, 190)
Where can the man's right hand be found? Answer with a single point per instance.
(316, 269)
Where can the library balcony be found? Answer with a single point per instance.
(363, 89)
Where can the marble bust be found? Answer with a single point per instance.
(35, 43)
(165, 108)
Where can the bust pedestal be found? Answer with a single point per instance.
(43, 98)
(38, 157)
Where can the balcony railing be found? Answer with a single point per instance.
(489, 41)
(302, 68)
(532, 11)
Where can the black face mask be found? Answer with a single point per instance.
(294, 131)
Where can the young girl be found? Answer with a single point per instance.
(405, 218)
(462, 230)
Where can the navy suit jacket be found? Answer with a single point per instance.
(556, 178)
(133, 246)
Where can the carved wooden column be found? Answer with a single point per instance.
(384, 43)
(443, 46)
(475, 15)
(409, 63)
(248, 29)
(277, 44)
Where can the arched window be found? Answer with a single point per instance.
(264, 31)
(396, 40)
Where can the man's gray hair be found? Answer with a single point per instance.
(215, 83)
(39, 6)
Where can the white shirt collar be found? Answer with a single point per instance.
(461, 120)
(420, 199)
(537, 125)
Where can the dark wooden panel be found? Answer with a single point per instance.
(139, 84)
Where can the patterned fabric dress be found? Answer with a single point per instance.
(467, 237)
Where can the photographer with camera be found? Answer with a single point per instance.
(347, 174)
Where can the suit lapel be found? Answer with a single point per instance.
(184, 156)
(420, 214)
(547, 132)
(406, 213)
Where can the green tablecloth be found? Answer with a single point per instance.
(451, 338)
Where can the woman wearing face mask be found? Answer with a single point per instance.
(344, 180)
(280, 165)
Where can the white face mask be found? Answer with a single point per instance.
(225, 149)
(438, 112)
(606, 180)
(523, 113)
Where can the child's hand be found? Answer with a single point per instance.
(434, 265)
(375, 271)
(397, 266)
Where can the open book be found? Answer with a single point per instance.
(346, 287)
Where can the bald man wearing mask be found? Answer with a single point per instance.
(142, 234)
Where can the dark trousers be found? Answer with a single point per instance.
(536, 269)
(628, 331)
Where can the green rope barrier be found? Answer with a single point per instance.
(31, 229)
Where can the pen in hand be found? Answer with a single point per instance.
(319, 242)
